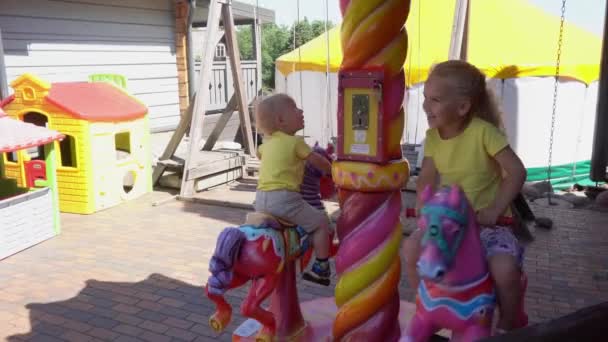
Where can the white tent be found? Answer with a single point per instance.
(523, 82)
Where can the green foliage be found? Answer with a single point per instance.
(276, 41)
(245, 40)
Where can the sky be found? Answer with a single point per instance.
(588, 14)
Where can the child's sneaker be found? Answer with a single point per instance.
(319, 273)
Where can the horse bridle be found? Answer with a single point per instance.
(434, 232)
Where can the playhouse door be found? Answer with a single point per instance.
(104, 175)
(34, 170)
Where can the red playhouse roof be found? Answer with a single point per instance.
(7, 101)
(95, 101)
(18, 135)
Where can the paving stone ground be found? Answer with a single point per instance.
(135, 273)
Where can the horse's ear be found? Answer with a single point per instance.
(454, 197)
(427, 193)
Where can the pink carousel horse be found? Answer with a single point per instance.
(456, 291)
(265, 250)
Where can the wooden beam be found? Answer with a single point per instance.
(256, 30)
(176, 138)
(181, 9)
(459, 27)
(239, 89)
(220, 178)
(231, 106)
(216, 166)
(202, 98)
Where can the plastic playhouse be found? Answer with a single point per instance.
(105, 158)
(29, 212)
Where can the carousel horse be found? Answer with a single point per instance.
(265, 250)
(456, 291)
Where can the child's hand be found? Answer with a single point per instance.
(488, 216)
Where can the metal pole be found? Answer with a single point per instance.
(3, 81)
(600, 143)
(459, 28)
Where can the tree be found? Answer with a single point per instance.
(303, 32)
(245, 41)
(318, 27)
(276, 41)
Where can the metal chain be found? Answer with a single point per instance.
(555, 88)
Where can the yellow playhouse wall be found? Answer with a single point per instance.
(75, 190)
(109, 170)
(13, 109)
(13, 171)
(75, 194)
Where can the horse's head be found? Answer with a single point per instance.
(451, 249)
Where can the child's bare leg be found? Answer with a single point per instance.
(411, 250)
(507, 275)
(320, 242)
(320, 271)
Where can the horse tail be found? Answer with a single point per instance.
(221, 265)
(222, 262)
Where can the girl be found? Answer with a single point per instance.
(465, 145)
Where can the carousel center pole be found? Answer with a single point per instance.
(370, 169)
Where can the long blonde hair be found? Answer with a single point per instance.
(471, 83)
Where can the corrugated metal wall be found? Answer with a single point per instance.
(69, 40)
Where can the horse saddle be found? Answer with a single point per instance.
(267, 220)
(296, 239)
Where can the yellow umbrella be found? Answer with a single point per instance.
(507, 39)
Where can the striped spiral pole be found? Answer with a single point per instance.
(368, 265)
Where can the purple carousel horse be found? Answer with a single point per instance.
(456, 291)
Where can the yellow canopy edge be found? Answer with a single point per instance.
(507, 39)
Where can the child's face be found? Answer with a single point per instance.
(442, 104)
(292, 118)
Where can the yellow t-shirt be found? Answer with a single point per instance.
(283, 158)
(467, 160)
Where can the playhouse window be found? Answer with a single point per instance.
(36, 153)
(36, 119)
(67, 148)
(29, 94)
(122, 142)
(11, 157)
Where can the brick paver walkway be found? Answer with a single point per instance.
(135, 273)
